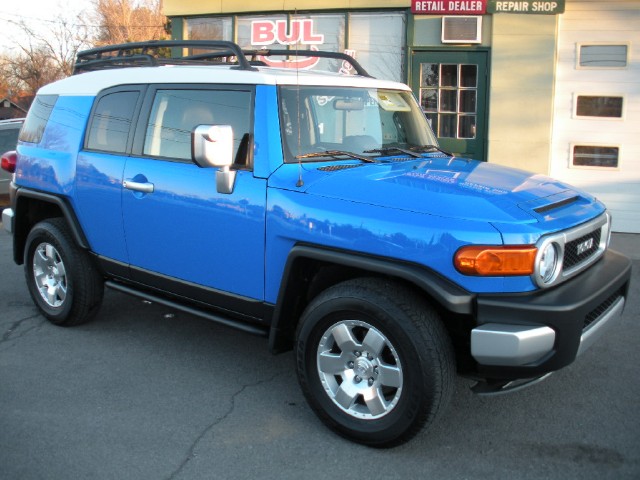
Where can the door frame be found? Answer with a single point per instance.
(458, 57)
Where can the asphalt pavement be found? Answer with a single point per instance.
(144, 392)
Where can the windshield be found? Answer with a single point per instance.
(352, 120)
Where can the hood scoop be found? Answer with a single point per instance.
(553, 206)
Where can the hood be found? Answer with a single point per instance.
(447, 187)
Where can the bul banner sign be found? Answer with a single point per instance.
(449, 7)
(269, 32)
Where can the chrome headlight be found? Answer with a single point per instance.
(547, 263)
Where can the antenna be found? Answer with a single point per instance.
(300, 181)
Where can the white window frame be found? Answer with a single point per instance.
(574, 109)
(572, 145)
(602, 44)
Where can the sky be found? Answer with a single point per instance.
(37, 14)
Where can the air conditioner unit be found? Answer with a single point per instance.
(461, 29)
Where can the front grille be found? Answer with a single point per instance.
(600, 310)
(581, 249)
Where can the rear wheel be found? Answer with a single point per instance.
(62, 279)
(374, 361)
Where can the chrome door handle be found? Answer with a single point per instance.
(138, 186)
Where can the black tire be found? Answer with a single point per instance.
(398, 342)
(62, 279)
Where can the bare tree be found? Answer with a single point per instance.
(122, 21)
(46, 55)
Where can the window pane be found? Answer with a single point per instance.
(9, 138)
(176, 113)
(594, 156)
(217, 28)
(432, 118)
(448, 101)
(467, 127)
(448, 126)
(429, 74)
(469, 76)
(610, 107)
(468, 101)
(429, 100)
(111, 122)
(378, 39)
(278, 32)
(37, 118)
(603, 56)
(260, 29)
(449, 75)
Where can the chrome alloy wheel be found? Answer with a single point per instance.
(50, 275)
(359, 369)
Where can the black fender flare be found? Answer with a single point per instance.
(448, 295)
(22, 222)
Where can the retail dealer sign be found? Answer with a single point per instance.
(449, 7)
(533, 7)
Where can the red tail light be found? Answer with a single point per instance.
(9, 161)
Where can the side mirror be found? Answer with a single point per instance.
(212, 146)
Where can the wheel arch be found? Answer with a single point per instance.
(310, 269)
(31, 207)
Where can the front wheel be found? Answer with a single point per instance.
(374, 361)
(62, 279)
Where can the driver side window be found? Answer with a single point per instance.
(175, 113)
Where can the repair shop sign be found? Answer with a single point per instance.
(531, 7)
(449, 7)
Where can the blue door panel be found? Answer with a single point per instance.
(98, 203)
(185, 229)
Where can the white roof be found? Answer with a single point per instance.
(91, 83)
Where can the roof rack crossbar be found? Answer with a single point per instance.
(120, 54)
(309, 53)
(148, 54)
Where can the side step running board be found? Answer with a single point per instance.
(261, 331)
(498, 388)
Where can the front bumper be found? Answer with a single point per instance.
(529, 335)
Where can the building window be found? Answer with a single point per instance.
(448, 96)
(598, 106)
(376, 39)
(603, 56)
(597, 156)
(216, 28)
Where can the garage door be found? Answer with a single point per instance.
(596, 140)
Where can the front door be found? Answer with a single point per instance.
(178, 227)
(452, 90)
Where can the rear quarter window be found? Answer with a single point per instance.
(37, 118)
(111, 121)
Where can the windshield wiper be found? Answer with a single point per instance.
(428, 148)
(336, 154)
(388, 150)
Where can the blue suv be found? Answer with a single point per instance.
(315, 209)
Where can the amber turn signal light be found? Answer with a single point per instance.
(496, 261)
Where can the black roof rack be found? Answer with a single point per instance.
(161, 52)
(309, 53)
